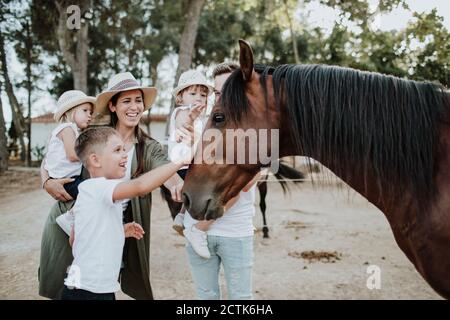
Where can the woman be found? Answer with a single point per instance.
(125, 100)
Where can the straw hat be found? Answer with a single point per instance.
(124, 81)
(69, 100)
(191, 78)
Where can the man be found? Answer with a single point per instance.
(229, 238)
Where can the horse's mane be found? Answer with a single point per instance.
(358, 121)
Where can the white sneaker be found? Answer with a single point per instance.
(65, 221)
(178, 224)
(198, 241)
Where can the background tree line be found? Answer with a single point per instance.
(137, 35)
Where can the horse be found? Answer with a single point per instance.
(285, 172)
(387, 138)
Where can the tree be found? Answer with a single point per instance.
(431, 58)
(28, 53)
(4, 155)
(17, 117)
(77, 59)
(187, 42)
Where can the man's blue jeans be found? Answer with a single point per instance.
(236, 256)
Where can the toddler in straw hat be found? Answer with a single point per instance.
(74, 113)
(191, 97)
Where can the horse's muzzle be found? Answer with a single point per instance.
(202, 208)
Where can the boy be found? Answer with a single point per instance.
(98, 234)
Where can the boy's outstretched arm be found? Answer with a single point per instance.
(156, 177)
(145, 183)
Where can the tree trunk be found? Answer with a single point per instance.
(187, 44)
(28, 47)
(4, 155)
(291, 29)
(77, 62)
(19, 122)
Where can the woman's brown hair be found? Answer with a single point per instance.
(140, 135)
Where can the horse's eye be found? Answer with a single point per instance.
(218, 118)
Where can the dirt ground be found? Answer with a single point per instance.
(322, 240)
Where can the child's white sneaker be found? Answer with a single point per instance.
(178, 224)
(198, 240)
(65, 221)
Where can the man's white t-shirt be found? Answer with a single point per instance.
(99, 238)
(237, 221)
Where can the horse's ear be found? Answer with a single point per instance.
(246, 59)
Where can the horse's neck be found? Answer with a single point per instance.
(366, 185)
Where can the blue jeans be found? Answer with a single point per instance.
(236, 256)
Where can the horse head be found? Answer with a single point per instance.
(238, 139)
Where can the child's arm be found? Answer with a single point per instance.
(252, 182)
(67, 135)
(247, 187)
(231, 203)
(145, 183)
(156, 177)
(181, 118)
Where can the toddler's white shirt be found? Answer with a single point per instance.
(56, 162)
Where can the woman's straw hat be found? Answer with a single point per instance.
(124, 81)
(191, 78)
(69, 100)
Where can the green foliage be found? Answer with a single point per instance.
(39, 152)
(430, 59)
(137, 35)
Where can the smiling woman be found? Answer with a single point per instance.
(125, 100)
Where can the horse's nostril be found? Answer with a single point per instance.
(186, 201)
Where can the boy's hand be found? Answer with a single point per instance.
(134, 230)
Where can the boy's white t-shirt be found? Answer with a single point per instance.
(99, 238)
(56, 162)
(237, 221)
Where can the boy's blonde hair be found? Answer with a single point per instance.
(91, 141)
